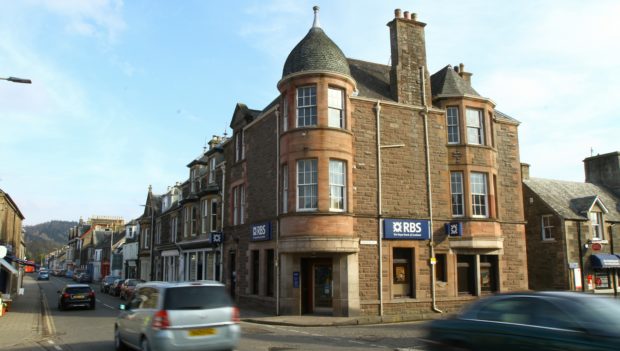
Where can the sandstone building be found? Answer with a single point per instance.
(366, 189)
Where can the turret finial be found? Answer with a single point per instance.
(316, 23)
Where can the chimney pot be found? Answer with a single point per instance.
(407, 15)
(397, 13)
(414, 16)
(461, 67)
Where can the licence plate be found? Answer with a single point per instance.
(202, 332)
(78, 296)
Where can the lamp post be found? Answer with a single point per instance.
(17, 80)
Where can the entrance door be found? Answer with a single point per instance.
(317, 286)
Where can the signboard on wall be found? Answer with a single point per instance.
(295, 279)
(454, 229)
(261, 231)
(406, 229)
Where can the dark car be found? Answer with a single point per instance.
(530, 321)
(76, 295)
(107, 282)
(127, 288)
(43, 275)
(85, 278)
(115, 287)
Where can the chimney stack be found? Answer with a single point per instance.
(604, 170)
(408, 55)
(525, 171)
(465, 75)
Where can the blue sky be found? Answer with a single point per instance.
(126, 93)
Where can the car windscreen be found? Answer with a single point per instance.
(196, 298)
(78, 290)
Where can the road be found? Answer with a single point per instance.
(92, 330)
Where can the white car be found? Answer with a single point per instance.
(178, 316)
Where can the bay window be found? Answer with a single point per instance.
(337, 185)
(335, 105)
(456, 189)
(479, 194)
(475, 126)
(452, 122)
(306, 106)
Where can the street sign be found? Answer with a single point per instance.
(216, 237)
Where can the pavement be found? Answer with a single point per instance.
(21, 328)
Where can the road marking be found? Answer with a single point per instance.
(331, 338)
(57, 347)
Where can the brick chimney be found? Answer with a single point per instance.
(408, 60)
(604, 170)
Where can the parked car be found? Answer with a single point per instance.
(106, 282)
(178, 316)
(85, 278)
(115, 287)
(128, 287)
(530, 321)
(69, 274)
(43, 275)
(76, 295)
(76, 275)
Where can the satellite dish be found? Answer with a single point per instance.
(2, 251)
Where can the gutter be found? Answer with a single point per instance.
(379, 205)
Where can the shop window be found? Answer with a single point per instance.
(402, 272)
(465, 265)
(270, 268)
(601, 280)
(488, 273)
(255, 271)
(441, 275)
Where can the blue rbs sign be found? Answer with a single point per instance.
(406, 229)
(261, 231)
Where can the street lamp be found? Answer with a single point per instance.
(17, 80)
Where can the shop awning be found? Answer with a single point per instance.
(8, 266)
(605, 261)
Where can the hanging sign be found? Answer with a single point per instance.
(261, 231)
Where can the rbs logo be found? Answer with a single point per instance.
(407, 227)
(259, 230)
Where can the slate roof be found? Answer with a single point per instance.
(447, 82)
(316, 52)
(571, 199)
(502, 116)
(373, 80)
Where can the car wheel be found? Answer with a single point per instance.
(144, 345)
(119, 345)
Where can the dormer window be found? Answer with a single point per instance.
(335, 104)
(194, 179)
(596, 220)
(306, 106)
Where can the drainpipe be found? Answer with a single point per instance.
(379, 205)
(611, 247)
(428, 190)
(223, 209)
(277, 252)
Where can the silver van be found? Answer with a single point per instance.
(178, 316)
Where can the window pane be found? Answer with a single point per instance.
(456, 186)
(478, 184)
(337, 184)
(306, 106)
(307, 184)
(475, 127)
(453, 125)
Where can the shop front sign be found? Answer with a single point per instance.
(406, 229)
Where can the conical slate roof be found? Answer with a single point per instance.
(448, 82)
(316, 52)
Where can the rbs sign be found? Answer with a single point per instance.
(261, 232)
(407, 229)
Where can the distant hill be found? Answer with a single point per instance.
(43, 238)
